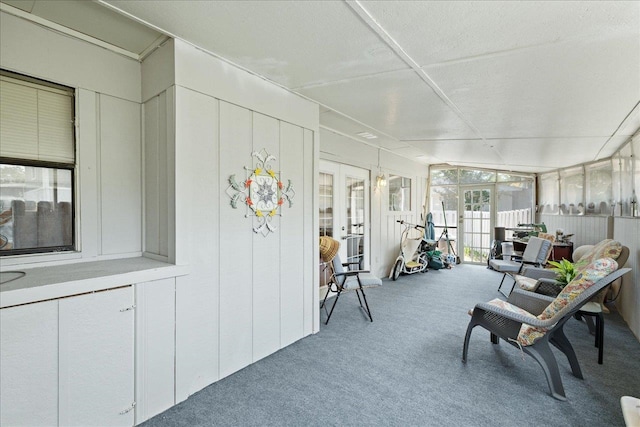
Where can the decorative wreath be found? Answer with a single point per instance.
(262, 192)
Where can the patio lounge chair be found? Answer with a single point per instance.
(536, 254)
(531, 322)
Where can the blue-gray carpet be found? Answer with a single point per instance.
(405, 369)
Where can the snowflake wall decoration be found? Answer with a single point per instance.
(262, 192)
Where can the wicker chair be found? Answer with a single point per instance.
(543, 282)
(531, 321)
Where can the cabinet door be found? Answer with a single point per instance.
(29, 365)
(155, 347)
(96, 359)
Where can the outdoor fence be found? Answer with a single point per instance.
(477, 233)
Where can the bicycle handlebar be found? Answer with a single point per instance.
(401, 221)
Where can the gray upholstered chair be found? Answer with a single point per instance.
(531, 321)
(342, 279)
(535, 254)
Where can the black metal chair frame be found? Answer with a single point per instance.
(336, 285)
(522, 263)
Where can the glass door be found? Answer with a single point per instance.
(344, 213)
(476, 223)
(352, 248)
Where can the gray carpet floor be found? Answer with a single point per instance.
(405, 369)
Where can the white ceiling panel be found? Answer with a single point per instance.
(631, 124)
(558, 90)
(26, 5)
(475, 151)
(294, 43)
(437, 31)
(547, 152)
(337, 122)
(519, 154)
(397, 103)
(96, 21)
(505, 85)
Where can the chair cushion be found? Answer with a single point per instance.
(536, 250)
(607, 248)
(552, 239)
(584, 280)
(581, 251)
(510, 307)
(526, 283)
(367, 279)
(505, 266)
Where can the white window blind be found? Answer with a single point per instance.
(36, 121)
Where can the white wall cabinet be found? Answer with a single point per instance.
(97, 359)
(29, 365)
(69, 361)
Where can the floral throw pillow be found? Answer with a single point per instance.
(584, 280)
(607, 248)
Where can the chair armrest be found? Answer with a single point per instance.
(549, 287)
(533, 303)
(344, 264)
(482, 308)
(350, 263)
(351, 273)
(538, 273)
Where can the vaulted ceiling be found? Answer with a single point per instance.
(515, 85)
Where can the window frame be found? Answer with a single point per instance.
(73, 247)
(402, 178)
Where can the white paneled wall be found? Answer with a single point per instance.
(120, 176)
(292, 242)
(586, 230)
(40, 52)
(589, 230)
(197, 240)
(108, 144)
(265, 282)
(385, 231)
(236, 237)
(245, 296)
(627, 231)
(156, 180)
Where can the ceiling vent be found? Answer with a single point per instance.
(367, 135)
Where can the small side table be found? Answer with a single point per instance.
(562, 250)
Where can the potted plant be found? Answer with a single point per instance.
(565, 271)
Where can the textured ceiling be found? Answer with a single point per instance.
(490, 84)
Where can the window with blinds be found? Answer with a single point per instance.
(37, 163)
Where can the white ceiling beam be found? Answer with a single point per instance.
(375, 26)
(67, 31)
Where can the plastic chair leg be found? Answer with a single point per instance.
(465, 347)
(561, 342)
(542, 354)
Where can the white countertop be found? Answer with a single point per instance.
(43, 283)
